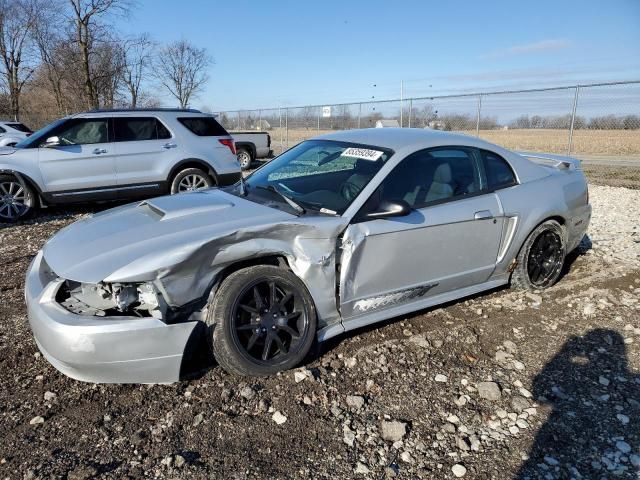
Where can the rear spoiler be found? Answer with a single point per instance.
(560, 162)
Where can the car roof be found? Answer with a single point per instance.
(405, 138)
(133, 112)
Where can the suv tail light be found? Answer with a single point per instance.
(228, 142)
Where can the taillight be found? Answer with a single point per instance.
(228, 142)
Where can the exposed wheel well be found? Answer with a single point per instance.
(557, 218)
(192, 163)
(247, 146)
(276, 260)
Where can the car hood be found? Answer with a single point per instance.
(135, 242)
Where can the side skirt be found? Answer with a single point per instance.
(378, 316)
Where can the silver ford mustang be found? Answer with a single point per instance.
(339, 232)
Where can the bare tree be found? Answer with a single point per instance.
(52, 46)
(17, 19)
(182, 69)
(86, 16)
(138, 55)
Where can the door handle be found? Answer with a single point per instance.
(167, 146)
(98, 151)
(483, 215)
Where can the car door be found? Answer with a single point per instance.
(449, 241)
(143, 148)
(82, 163)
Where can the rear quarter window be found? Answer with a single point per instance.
(499, 172)
(20, 127)
(203, 126)
(128, 129)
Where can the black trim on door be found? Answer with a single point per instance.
(115, 192)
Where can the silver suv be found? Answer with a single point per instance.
(106, 155)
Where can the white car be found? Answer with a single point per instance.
(106, 155)
(12, 133)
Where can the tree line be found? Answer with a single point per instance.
(58, 57)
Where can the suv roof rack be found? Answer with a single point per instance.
(160, 109)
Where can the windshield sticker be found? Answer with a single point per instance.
(363, 153)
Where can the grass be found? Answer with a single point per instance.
(596, 142)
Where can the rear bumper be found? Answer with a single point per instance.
(102, 349)
(228, 178)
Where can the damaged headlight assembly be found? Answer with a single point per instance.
(112, 299)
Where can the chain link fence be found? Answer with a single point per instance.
(587, 120)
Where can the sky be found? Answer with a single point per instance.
(280, 53)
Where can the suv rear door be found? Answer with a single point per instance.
(82, 165)
(144, 146)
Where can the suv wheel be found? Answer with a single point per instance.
(263, 321)
(244, 158)
(16, 199)
(190, 180)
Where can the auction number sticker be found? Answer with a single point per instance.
(363, 153)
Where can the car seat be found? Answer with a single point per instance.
(440, 187)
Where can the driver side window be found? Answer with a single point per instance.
(432, 176)
(84, 132)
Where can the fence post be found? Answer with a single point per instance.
(259, 120)
(281, 132)
(286, 125)
(359, 113)
(573, 119)
(478, 116)
(318, 129)
(410, 110)
(239, 127)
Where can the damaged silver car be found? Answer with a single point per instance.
(339, 232)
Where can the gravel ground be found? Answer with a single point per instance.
(501, 385)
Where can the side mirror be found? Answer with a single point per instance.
(51, 142)
(389, 208)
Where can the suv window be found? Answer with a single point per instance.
(139, 128)
(499, 172)
(203, 126)
(20, 127)
(432, 176)
(83, 131)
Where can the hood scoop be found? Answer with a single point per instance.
(183, 205)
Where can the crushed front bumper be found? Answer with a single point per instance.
(102, 349)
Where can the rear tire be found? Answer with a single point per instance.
(262, 321)
(189, 180)
(17, 199)
(244, 158)
(541, 258)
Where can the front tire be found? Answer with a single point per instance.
(244, 158)
(263, 321)
(17, 199)
(541, 258)
(190, 180)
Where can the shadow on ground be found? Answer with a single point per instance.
(594, 428)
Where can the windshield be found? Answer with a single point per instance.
(40, 136)
(320, 175)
